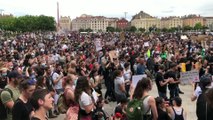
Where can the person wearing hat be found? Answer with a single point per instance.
(6, 97)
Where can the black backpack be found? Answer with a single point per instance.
(203, 111)
(3, 108)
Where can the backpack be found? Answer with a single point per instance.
(62, 103)
(3, 108)
(203, 111)
(135, 109)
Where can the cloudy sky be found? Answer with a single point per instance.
(108, 8)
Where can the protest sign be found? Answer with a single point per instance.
(98, 45)
(146, 44)
(184, 37)
(122, 36)
(113, 54)
(136, 78)
(189, 77)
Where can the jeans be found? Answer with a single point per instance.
(174, 92)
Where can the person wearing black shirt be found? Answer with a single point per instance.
(162, 109)
(173, 84)
(161, 82)
(22, 109)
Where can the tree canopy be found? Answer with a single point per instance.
(28, 23)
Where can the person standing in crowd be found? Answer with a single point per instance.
(120, 91)
(203, 110)
(141, 91)
(41, 83)
(161, 82)
(69, 95)
(3, 78)
(141, 66)
(9, 98)
(57, 79)
(173, 84)
(179, 113)
(127, 76)
(22, 109)
(50, 86)
(163, 109)
(41, 101)
(83, 95)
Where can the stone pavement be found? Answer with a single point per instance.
(189, 106)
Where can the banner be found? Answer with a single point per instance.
(184, 37)
(98, 45)
(113, 54)
(136, 78)
(189, 77)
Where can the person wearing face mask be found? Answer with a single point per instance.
(6, 97)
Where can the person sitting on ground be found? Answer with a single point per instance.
(121, 108)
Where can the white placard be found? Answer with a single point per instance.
(146, 44)
(98, 45)
(136, 78)
(189, 77)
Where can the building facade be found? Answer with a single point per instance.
(171, 22)
(209, 22)
(144, 20)
(96, 23)
(65, 23)
(192, 20)
(122, 24)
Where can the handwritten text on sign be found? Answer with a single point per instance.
(189, 76)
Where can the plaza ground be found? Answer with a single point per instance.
(189, 106)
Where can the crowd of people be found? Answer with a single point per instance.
(38, 71)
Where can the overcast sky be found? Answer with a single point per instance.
(108, 8)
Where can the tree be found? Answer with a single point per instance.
(173, 29)
(132, 29)
(164, 30)
(28, 23)
(88, 30)
(142, 30)
(81, 30)
(185, 28)
(117, 30)
(198, 26)
(110, 29)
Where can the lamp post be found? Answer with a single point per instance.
(1, 11)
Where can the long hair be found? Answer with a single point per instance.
(142, 85)
(81, 86)
(40, 82)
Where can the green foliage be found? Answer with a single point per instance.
(185, 28)
(132, 29)
(110, 29)
(28, 23)
(88, 30)
(142, 29)
(198, 26)
(164, 30)
(117, 30)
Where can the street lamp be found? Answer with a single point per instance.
(1, 11)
